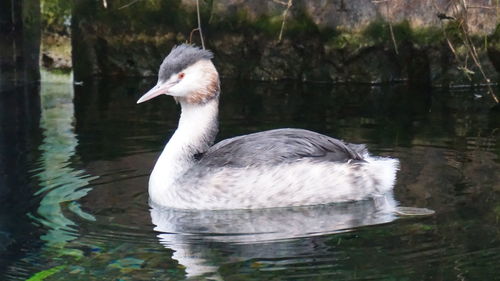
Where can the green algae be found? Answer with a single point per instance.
(39, 276)
(379, 33)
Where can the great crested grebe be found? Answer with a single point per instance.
(275, 168)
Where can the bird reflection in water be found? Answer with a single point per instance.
(194, 235)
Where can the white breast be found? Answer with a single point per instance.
(293, 184)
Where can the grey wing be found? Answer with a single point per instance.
(278, 146)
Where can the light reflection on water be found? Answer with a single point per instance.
(60, 185)
(98, 148)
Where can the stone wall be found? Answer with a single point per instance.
(329, 41)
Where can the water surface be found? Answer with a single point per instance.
(75, 163)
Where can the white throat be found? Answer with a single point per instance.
(195, 134)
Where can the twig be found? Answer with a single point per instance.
(281, 2)
(199, 23)
(393, 39)
(475, 58)
(191, 35)
(450, 45)
(391, 30)
(129, 4)
(496, 9)
(460, 8)
(480, 7)
(473, 52)
(285, 13)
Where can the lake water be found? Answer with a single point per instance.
(75, 162)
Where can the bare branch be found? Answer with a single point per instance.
(129, 4)
(481, 7)
(393, 39)
(391, 30)
(285, 13)
(460, 9)
(191, 35)
(281, 2)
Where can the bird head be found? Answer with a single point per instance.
(187, 74)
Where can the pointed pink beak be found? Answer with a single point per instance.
(156, 91)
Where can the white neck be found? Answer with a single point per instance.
(195, 134)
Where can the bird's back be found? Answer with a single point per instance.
(279, 146)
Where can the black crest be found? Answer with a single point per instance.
(181, 57)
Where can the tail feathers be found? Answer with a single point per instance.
(383, 171)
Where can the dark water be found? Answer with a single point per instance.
(75, 162)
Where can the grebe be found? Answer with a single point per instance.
(275, 168)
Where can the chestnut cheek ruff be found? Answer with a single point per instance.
(208, 92)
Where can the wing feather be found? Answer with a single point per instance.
(278, 146)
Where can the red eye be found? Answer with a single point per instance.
(181, 75)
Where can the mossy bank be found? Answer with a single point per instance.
(348, 41)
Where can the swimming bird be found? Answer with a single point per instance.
(275, 168)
